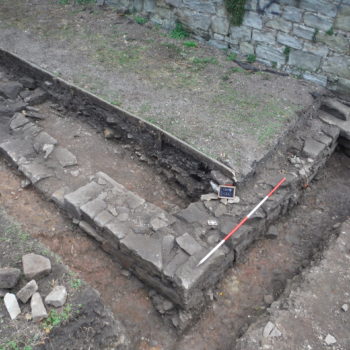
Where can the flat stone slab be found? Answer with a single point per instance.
(9, 277)
(43, 139)
(17, 150)
(313, 148)
(343, 125)
(35, 172)
(64, 157)
(35, 266)
(11, 305)
(57, 297)
(38, 308)
(27, 291)
(10, 89)
(188, 244)
(18, 121)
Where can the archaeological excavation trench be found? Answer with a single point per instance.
(137, 191)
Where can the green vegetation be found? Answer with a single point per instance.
(314, 36)
(330, 31)
(286, 52)
(236, 10)
(140, 20)
(204, 60)
(190, 44)
(274, 64)
(238, 70)
(76, 283)
(232, 56)
(251, 58)
(55, 318)
(179, 32)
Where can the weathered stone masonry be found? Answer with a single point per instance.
(308, 38)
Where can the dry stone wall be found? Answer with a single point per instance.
(308, 38)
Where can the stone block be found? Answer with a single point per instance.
(10, 89)
(103, 218)
(38, 308)
(241, 33)
(318, 21)
(342, 21)
(337, 42)
(148, 249)
(195, 212)
(303, 31)
(9, 277)
(73, 201)
(246, 49)
(27, 291)
(322, 6)
(293, 14)
(178, 260)
(92, 208)
(267, 36)
(18, 121)
(270, 53)
(220, 25)
(149, 5)
(57, 297)
(11, 305)
(195, 20)
(289, 41)
(8, 108)
(117, 230)
(304, 60)
(88, 229)
(336, 108)
(133, 201)
(17, 150)
(64, 157)
(188, 244)
(35, 266)
(35, 172)
(43, 139)
(316, 78)
(313, 148)
(317, 49)
(200, 6)
(279, 23)
(338, 65)
(252, 19)
(58, 196)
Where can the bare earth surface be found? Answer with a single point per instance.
(196, 93)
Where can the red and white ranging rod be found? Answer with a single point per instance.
(241, 223)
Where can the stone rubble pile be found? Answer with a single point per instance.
(34, 268)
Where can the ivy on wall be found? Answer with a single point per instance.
(235, 9)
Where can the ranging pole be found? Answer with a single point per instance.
(241, 223)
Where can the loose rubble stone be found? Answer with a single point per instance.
(11, 305)
(17, 121)
(27, 291)
(195, 212)
(65, 157)
(27, 82)
(34, 114)
(270, 330)
(9, 277)
(159, 222)
(345, 307)
(37, 97)
(209, 196)
(188, 244)
(38, 308)
(220, 178)
(10, 89)
(48, 149)
(9, 108)
(268, 299)
(35, 266)
(329, 340)
(43, 139)
(57, 296)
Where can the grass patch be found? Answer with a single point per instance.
(238, 70)
(179, 32)
(251, 58)
(140, 20)
(190, 44)
(76, 283)
(232, 56)
(204, 60)
(330, 31)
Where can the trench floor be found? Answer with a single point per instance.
(239, 298)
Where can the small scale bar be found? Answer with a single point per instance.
(241, 223)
